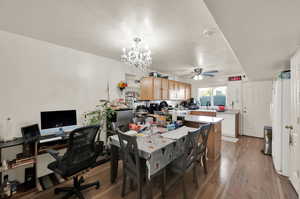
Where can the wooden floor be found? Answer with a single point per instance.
(241, 173)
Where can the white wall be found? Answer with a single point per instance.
(38, 76)
(234, 89)
(235, 94)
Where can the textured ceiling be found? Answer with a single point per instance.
(263, 34)
(173, 29)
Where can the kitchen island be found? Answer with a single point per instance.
(230, 124)
(215, 134)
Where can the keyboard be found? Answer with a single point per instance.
(52, 138)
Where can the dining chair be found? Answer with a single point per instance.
(202, 146)
(131, 162)
(133, 168)
(188, 160)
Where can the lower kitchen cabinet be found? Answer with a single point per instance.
(230, 124)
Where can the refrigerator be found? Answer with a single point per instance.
(280, 114)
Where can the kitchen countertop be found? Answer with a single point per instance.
(202, 119)
(230, 112)
(206, 110)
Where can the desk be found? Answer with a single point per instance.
(38, 149)
(3, 145)
(22, 162)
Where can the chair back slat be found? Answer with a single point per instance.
(204, 131)
(129, 153)
(190, 149)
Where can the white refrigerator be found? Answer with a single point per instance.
(280, 113)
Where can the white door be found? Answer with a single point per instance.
(257, 97)
(276, 125)
(286, 120)
(294, 160)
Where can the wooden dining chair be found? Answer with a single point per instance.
(202, 146)
(188, 160)
(131, 162)
(133, 168)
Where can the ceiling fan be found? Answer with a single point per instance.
(198, 73)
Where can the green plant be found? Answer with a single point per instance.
(99, 116)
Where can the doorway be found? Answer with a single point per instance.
(257, 97)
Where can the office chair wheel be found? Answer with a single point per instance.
(56, 191)
(98, 185)
(81, 180)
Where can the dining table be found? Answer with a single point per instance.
(157, 148)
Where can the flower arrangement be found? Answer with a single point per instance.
(122, 85)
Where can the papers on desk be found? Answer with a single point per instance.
(178, 133)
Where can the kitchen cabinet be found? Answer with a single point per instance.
(177, 90)
(230, 125)
(172, 90)
(147, 88)
(231, 120)
(187, 91)
(181, 90)
(153, 88)
(157, 88)
(164, 89)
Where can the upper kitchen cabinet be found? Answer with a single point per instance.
(179, 90)
(188, 91)
(172, 90)
(153, 88)
(147, 88)
(164, 89)
(157, 88)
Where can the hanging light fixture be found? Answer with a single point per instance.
(137, 55)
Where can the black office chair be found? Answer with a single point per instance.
(188, 160)
(81, 155)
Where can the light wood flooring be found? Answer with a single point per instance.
(242, 172)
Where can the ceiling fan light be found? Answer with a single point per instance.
(198, 77)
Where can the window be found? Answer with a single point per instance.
(215, 96)
(205, 96)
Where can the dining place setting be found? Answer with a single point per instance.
(153, 150)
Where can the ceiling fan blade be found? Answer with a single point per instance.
(211, 71)
(207, 74)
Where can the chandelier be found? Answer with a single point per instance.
(137, 55)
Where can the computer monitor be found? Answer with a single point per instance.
(123, 117)
(58, 121)
(30, 133)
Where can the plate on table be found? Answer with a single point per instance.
(131, 132)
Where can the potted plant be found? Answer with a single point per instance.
(100, 116)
